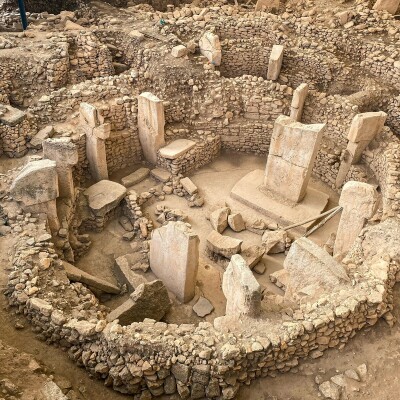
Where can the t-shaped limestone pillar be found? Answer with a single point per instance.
(96, 134)
(358, 200)
(151, 123)
(241, 289)
(210, 47)
(65, 154)
(291, 158)
(36, 187)
(275, 62)
(298, 100)
(363, 130)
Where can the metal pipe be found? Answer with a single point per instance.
(22, 12)
(324, 221)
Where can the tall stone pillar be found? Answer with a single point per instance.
(210, 47)
(65, 154)
(36, 187)
(275, 62)
(151, 123)
(291, 158)
(358, 200)
(363, 130)
(96, 133)
(241, 289)
(298, 100)
(174, 258)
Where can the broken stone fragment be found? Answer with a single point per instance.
(43, 134)
(329, 390)
(188, 185)
(179, 51)
(203, 307)
(253, 255)
(161, 174)
(210, 47)
(135, 177)
(274, 242)
(236, 223)
(149, 300)
(223, 245)
(219, 219)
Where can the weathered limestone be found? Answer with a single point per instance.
(36, 187)
(311, 269)
(65, 154)
(219, 219)
(210, 47)
(188, 185)
(177, 148)
(241, 289)
(358, 200)
(96, 134)
(298, 100)
(13, 116)
(149, 300)
(275, 62)
(390, 6)
(223, 245)
(104, 196)
(174, 258)
(179, 51)
(236, 222)
(42, 135)
(135, 177)
(363, 130)
(151, 123)
(266, 5)
(274, 242)
(291, 158)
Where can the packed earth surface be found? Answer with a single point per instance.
(200, 200)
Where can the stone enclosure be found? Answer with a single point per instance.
(139, 239)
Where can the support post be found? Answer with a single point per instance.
(22, 12)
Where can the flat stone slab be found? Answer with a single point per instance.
(12, 116)
(125, 274)
(135, 177)
(104, 196)
(161, 174)
(203, 307)
(249, 191)
(176, 148)
(223, 245)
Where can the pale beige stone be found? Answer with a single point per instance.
(219, 219)
(223, 245)
(210, 47)
(179, 51)
(236, 222)
(391, 6)
(177, 148)
(275, 62)
(298, 101)
(366, 126)
(188, 185)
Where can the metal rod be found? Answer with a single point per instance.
(323, 222)
(22, 12)
(311, 219)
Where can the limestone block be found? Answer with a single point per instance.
(219, 219)
(223, 245)
(210, 47)
(102, 131)
(151, 125)
(179, 51)
(366, 126)
(161, 174)
(88, 115)
(188, 185)
(310, 265)
(50, 390)
(176, 148)
(236, 223)
(174, 258)
(298, 100)
(97, 157)
(135, 177)
(358, 200)
(104, 196)
(241, 289)
(390, 6)
(274, 242)
(149, 300)
(275, 62)
(253, 255)
(266, 5)
(292, 154)
(13, 116)
(36, 183)
(42, 135)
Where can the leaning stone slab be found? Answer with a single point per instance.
(149, 300)
(104, 196)
(309, 265)
(253, 255)
(223, 245)
(42, 135)
(126, 274)
(210, 47)
(135, 177)
(241, 289)
(174, 258)
(275, 62)
(188, 185)
(36, 183)
(358, 200)
(77, 275)
(176, 148)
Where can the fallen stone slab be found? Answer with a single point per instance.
(135, 177)
(188, 185)
(77, 275)
(41, 136)
(161, 174)
(176, 148)
(125, 273)
(219, 219)
(203, 307)
(274, 242)
(149, 300)
(223, 245)
(104, 196)
(253, 255)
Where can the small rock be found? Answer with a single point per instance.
(203, 307)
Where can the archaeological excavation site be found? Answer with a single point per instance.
(199, 200)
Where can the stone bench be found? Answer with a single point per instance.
(176, 148)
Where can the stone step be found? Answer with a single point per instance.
(176, 148)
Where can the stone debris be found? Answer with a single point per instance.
(160, 174)
(253, 255)
(135, 177)
(274, 242)
(223, 245)
(203, 307)
(219, 219)
(236, 222)
(189, 186)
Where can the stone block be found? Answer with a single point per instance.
(223, 245)
(12, 117)
(176, 148)
(236, 223)
(274, 242)
(219, 219)
(102, 131)
(60, 150)
(188, 185)
(135, 177)
(366, 126)
(43, 134)
(267, 5)
(210, 47)
(160, 174)
(179, 51)
(174, 258)
(275, 62)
